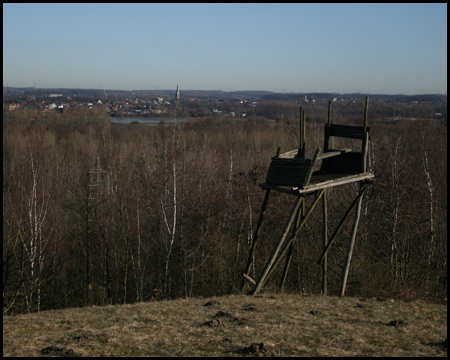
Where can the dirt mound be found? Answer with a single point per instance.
(212, 302)
(250, 307)
(241, 320)
(84, 336)
(260, 349)
(315, 313)
(397, 323)
(223, 314)
(218, 322)
(53, 351)
(214, 323)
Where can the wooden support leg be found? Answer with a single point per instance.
(274, 260)
(289, 256)
(294, 235)
(255, 237)
(325, 242)
(257, 231)
(351, 245)
(361, 193)
(269, 264)
(286, 266)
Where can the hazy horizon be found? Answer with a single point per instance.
(284, 48)
(211, 90)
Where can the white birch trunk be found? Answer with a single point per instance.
(35, 245)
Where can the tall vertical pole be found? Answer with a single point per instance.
(366, 113)
(329, 113)
(301, 146)
(358, 206)
(325, 242)
(300, 213)
(258, 229)
(304, 133)
(256, 235)
(276, 261)
(326, 140)
(269, 264)
(365, 144)
(351, 245)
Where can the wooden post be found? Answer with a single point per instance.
(248, 278)
(358, 207)
(365, 151)
(366, 113)
(289, 256)
(263, 276)
(304, 132)
(361, 192)
(302, 146)
(325, 242)
(313, 164)
(329, 112)
(255, 238)
(258, 229)
(293, 236)
(326, 140)
(365, 143)
(351, 245)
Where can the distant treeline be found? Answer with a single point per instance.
(429, 98)
(219, 94)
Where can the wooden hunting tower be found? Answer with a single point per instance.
(296, 175)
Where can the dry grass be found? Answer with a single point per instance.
(289, 325)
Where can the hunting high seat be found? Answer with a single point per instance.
(303, 177)
(330, 168)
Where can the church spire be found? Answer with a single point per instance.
(177, 94)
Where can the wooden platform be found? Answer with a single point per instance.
(322, 181)
(290, 174)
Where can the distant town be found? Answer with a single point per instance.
(190, 103)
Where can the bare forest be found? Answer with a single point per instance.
(97, 214)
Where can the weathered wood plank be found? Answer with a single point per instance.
(248, 278)
(335, 182)
(289, 154)
(280, 189)
(331, 153)
(289, 172)
(347, 131)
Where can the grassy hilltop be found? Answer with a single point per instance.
(236, 325)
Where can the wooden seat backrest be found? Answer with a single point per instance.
(352, 162)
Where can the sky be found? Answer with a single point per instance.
(300, 48)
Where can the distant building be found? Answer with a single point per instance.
(177, 94)
(14, 106)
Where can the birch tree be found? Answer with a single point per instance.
(35, 241)
(169, 200)
(433, 164)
